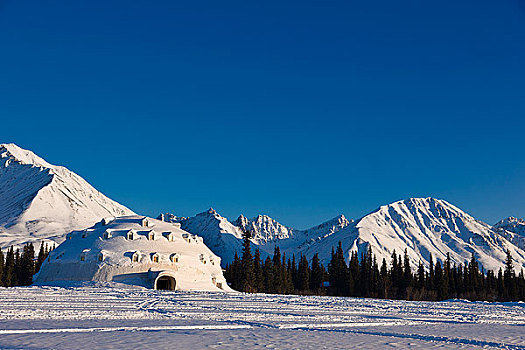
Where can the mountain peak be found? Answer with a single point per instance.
(11, 152)
(242, 221)
(423, 201)
(328, 228)
(511, 220)
(210, 212)
(42, 201)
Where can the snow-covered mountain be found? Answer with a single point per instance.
(43, 201)
(264, 229)
(422, 226)
(225, 238)
(220, 235)
(513, 229)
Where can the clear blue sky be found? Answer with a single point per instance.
(300, 110)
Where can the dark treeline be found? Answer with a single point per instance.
(365, 277)
(17, 268)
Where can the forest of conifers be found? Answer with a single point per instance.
(364, 276)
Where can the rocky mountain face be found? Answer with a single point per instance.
(513, 229)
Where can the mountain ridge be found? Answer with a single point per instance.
(423, 226)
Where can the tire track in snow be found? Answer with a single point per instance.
(115, 329)
(347, 325)
(429, 338)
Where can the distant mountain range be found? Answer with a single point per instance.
(40, 201)
(422, 226)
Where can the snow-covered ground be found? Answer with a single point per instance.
(112, 318)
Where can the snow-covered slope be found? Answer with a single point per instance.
(513, 229)
(423, 226)
(42, 201)
(220, 235)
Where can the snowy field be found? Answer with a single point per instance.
(109, 318)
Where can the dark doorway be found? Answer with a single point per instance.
(165, 283)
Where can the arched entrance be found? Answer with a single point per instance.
(165, 282)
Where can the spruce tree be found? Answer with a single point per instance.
(277, 285)
(2, 267)
(303, 275)
(286, 276)
(430, 284)
(269, 279)
(16, 275)
(293, 272)
(316, 279)
(439, 282)
(258, 271)
(337, 272)
(407, 275)
(235, 274)
(9, 278)
(41, 257)
(509, 277)
(353, 274)
(26, 265)
(420, 276)
(247, 276)
(384, 284)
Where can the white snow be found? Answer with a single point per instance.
(40, 201)
(114, 318)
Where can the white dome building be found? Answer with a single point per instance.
(135, 250)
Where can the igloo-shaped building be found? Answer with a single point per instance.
(135, 250)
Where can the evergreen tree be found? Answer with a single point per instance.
(430, 284)
(2, 267)
(277, 286)
(258, 271)
(293, 273)
(509, 277)
(42, 254)
(384, 284)
(269, 280)
(16, 275)
(9, 278)
(439, 282)
(407, 275)
(235, 273)
(247, 276)
(420, 276)
(286, 275)
(26, 265)
(337, 272)
(316, 279)
(303, 273)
